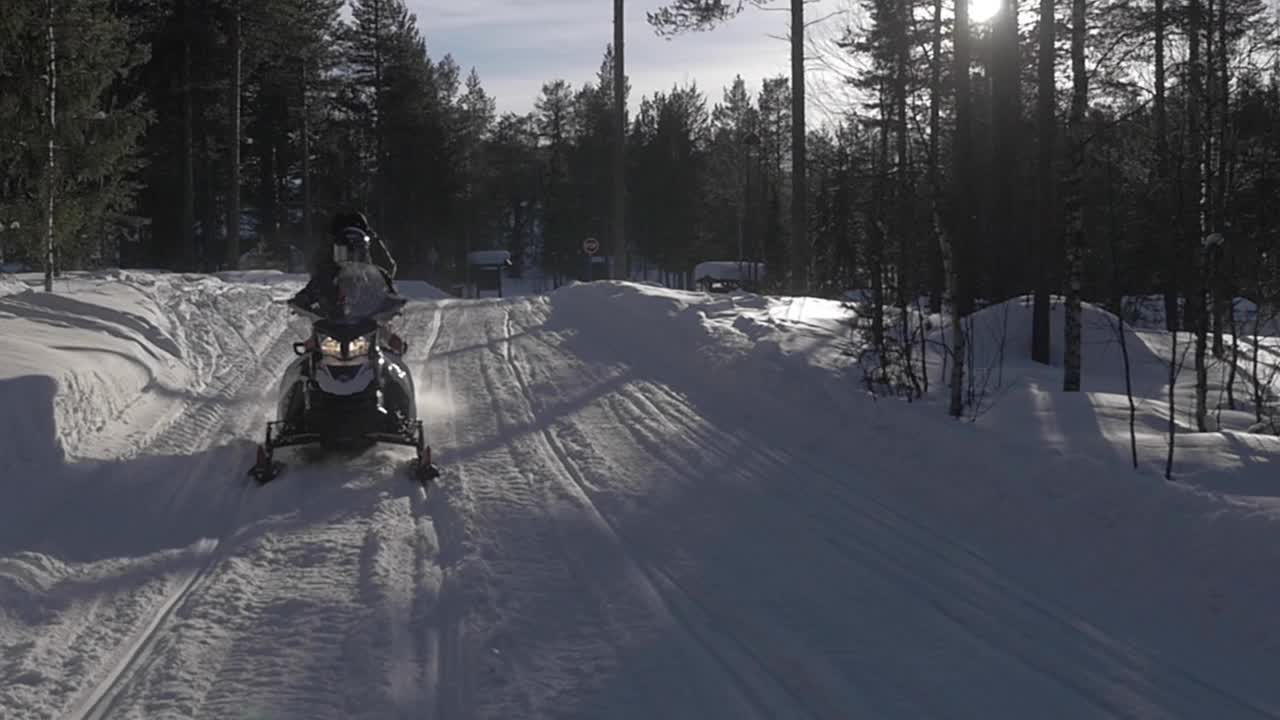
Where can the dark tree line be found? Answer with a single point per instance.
(1087, 150)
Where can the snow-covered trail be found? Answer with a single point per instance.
(95, 553)
(619, 533)
(709, 558)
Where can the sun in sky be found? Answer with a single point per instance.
(983, 10)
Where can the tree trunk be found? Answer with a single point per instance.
(1075, 199)
(379, 170)
(1198, 305)
(937, 272)
(209, 250)
(903, 189)
(51, 182)
(799, 167)
(619, 144)
(308, 221)
(1211, 176)
(1224, 293)
(188, 150)
(956, 244)
(1008, 243)
(233, 186)
(878, 239)
(1046, 127)
(1162, 186)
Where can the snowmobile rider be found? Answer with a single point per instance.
(352, 241)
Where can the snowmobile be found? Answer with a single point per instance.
(349, 388)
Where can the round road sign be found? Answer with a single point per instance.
(591, 246)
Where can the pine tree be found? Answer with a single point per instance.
(96, 129)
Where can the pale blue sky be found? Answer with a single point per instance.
(517, 45)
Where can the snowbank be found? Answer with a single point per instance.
(11, 285)
(1040, 482)
(108, 354)
(292, 282)
(1001, 344)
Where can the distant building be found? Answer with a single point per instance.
(484, 272)
(722, 276)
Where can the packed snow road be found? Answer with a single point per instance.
(624, 529)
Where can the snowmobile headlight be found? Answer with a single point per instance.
(358, 347)
(330, 346)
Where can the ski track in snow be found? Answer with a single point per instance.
(84, 634)
(672, 597)
(612, 536)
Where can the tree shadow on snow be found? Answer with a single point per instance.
(123, 522)
(688, 551)
(758, 475)
(67, 312)
(90, 510)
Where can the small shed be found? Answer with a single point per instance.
(722, 276)
(484, 271)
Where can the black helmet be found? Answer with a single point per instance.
(351, 244)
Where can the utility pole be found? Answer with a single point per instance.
(53, 126)
(619, 147)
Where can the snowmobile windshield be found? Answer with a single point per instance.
(361, 293)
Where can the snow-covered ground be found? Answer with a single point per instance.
(654, 504)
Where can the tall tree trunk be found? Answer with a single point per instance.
(1198, 230)
(903, 186)
(1046, 239)
(878, 235)
(799, 166)
(233, 186)
(1173, 266)
(937, 272)
(51, 182)
(1009, 246)
(956, 244)
(308, 221)
(1223, 292)
(1211, 179)
(1075, 199)
(379, 176)
(267, 206)
(1225, 308)
(188, 150)
(209, 249)
(619, 144)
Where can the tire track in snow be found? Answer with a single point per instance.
(531, 593)
(100, 701)
(677, 603)
(428, 575)
(208, 417)
(442, 645)
(905, 532)
(966, 586)
(412, 587)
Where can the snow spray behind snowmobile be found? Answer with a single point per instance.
(349, 388)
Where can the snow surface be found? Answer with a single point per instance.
(10, 284)
(655, 503)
